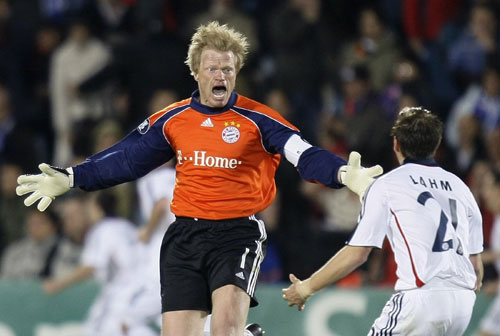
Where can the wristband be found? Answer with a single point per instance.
(342, 170)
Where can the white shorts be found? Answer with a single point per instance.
(490, 323)
(426, 312)
(106, 313)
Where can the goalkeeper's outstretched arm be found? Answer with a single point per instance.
(133, 157)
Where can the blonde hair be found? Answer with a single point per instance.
(217, 37)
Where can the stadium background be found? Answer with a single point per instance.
(338, 69)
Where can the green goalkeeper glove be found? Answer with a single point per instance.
(52, 182)
(357, 178)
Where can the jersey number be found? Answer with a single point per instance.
(441, 245)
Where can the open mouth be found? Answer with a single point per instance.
(219, 91)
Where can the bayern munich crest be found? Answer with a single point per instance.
(230, 134)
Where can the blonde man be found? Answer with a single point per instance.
(227, 148)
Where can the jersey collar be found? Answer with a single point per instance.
(426, 162)
(198, 106)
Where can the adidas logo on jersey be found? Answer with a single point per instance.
(207, 123)
(240, 275)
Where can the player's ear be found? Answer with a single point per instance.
(395, 145)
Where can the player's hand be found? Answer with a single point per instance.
(45, 187)
(298, 292)
(357, 178)
(144, 234)
(51, 287)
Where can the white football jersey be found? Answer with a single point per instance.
(432, 222)
(154, 186)
(111, 248)
(151, 188)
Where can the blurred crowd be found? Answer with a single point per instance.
(77, 75)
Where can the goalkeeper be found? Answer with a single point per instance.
(227, 148)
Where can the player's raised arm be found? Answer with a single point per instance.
(133, 157)
(340, 265)
(319, 165)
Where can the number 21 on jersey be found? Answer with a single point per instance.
(441, 245)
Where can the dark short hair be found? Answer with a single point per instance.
(108, 202)
(418, 131)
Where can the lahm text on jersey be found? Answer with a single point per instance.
(431, 183)
(202, 159)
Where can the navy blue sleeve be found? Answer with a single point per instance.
(274, 133)
(133, 157)
(315, 164)
(275, 137)
(319, 165)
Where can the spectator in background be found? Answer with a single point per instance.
(468, 53)
(7, 121)
(138, 67)
(429, 27)
(106, 133)
(12, 211)
(406, 80)
(301, 46)
(361, 109)
(77, 58)
(473, 118)
(17, 135)
(160, 99)
(286, 214)
(59, 12)
(66, 254)
(74, 217)
(471, 146)
(112, 20)
(63, 255)
(374, 47)
(332, 217)
(338, 213)
(29, 257)
(423, 21)
(109, 256)
(493, 149)
(15, 46)
(48, 37)
(271, 268)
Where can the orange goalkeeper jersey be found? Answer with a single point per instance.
(224, 169)
(226, 157)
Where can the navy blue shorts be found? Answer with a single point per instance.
(198, 256)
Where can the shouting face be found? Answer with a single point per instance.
(216, 77)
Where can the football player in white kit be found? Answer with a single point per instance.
(143, 313)
(434, 227)
(109, 256)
